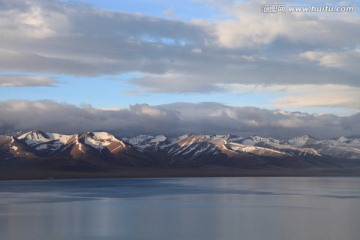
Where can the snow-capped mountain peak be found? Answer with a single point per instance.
(189, 146)
(254, 140)
(99, 140)
(44, 140)
(35, 137)
(300, 141)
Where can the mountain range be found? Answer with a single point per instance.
(46, 154)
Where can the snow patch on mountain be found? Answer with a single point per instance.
(254, 140)
(60, 137)
(37, 137)
(141, 141)
(100, 140)
(42, 141)
(191, 145)
(15, 148)
(300, 141)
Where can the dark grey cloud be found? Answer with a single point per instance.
(171, 119)
(48, 36)
(52, 37)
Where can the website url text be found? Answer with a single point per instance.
(280, 8)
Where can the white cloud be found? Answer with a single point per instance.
(146, 110)
(304, 95)
(250, 27)
(321, 96)
(348, 60)
(196, 50)
(31, 19)
(26, 81)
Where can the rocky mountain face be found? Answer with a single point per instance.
(102, 150)
(197, 145)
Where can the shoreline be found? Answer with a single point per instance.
(177, 173)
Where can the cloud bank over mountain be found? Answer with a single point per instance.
(172, 119)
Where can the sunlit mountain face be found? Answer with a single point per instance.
(101, 152)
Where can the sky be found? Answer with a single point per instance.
(209, 66)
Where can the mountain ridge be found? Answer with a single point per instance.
(104, 152)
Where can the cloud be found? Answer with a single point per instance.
(171, 119)
(173, 82)
(133, 92)
(304, 95)
(174, 56)
(249, 28)
(347, 60)
(321, 96)
(169, 13)
(55, 37)
(26, 81)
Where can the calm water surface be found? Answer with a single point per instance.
(181, 209)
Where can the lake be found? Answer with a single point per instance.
(246, 208)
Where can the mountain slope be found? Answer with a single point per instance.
(98, 149)
(102, 151)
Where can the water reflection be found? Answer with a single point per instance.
(198, 208)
